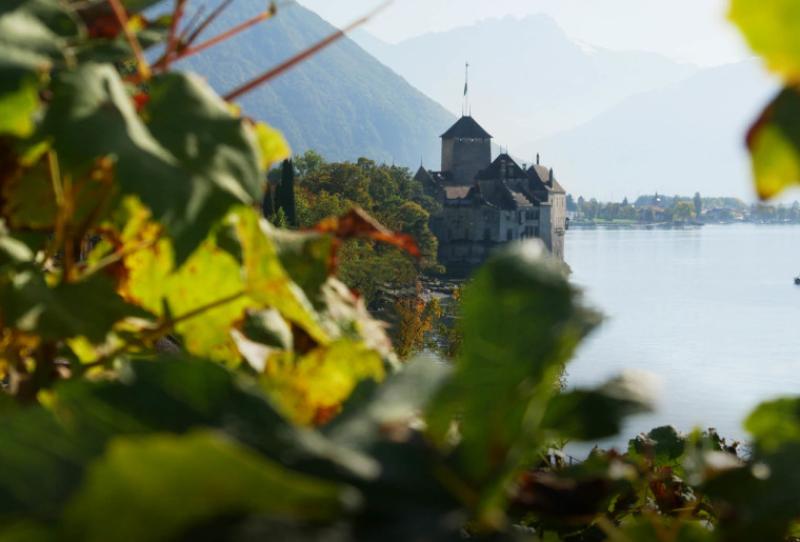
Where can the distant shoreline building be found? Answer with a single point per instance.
(486, 204)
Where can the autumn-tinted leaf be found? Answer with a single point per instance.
(772, 28)
(774, 143)
(357, 224)
(311, 388)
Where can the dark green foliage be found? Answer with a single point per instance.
(388, 193)
(285, 195)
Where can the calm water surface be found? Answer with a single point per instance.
(714, 313)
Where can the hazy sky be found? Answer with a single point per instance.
(687, 30)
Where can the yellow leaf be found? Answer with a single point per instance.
(772, 28)
(310, 389)
(271, 144)
(267, 282)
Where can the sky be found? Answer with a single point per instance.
(693, 31)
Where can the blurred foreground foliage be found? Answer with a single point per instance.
(175, 368)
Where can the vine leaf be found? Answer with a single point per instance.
(193, 163)
(775, 423)
(590, 415)
(774, 143)
(209, 475)
(85, 309)
(210, 274)
(521, 322)
(772, 28)
(310, 388)
(357, 224)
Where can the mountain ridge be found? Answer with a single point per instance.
(558, 85)
(342, 102)
(683, 138)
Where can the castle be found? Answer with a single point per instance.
(488, 203)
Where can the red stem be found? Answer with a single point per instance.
(172, 40)
(225, 35)
(274, 72)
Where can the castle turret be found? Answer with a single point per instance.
(466, 150)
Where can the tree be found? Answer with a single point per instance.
(698, 205)
(285, 194)
(683, 211)
(571, 206)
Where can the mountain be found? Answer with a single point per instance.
(528, 79)
(684, 138)
(342, 102)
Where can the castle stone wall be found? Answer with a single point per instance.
(465, 158)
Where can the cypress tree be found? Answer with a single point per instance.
(268, 203)
(284, 196)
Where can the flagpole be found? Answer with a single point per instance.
(465, 107)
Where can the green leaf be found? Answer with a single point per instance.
(51, 13)
(395, 403)
(197, 154)
(664, 445)
(772, 28)
(759, 500)
(177, 394)
(521, 322)
(596, 414)
(648, 529)
(197, 127)
(156, 488)
(32, 41)
(266, 280)
(306, 257)
(775, 423)
(84, 309)
(774, 143)
(26, 531)
(13, 251)
(17, 107)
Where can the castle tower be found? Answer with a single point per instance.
(466, 150)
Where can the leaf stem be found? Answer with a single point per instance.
(122, 17)
(225, 35)
(172, 38)
(162, 329)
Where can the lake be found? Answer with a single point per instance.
(713, 312)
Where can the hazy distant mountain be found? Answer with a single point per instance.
(342, 103)
(678, 140)
(528, 79)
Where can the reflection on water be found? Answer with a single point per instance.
(713, 312)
